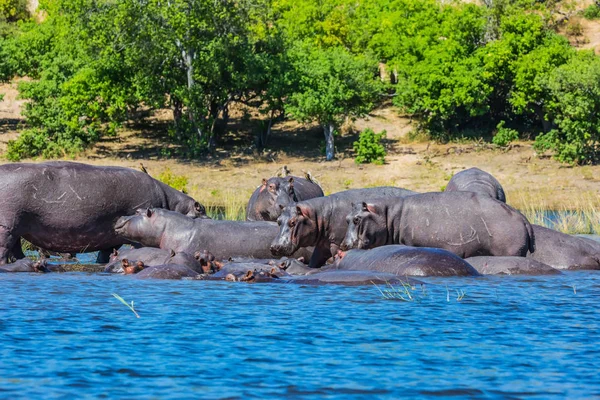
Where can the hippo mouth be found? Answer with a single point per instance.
(121, 222)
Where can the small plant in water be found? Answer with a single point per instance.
(460, 295)
(397, 293)
(130, 306)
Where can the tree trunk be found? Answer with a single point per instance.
(328, 129)
(546, 125)
(263, 136)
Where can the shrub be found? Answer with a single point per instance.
(13, 10)
(592, 12)
(178, 182)
(504, 136)
(368, 147)
(574, 29)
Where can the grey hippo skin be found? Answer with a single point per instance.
(321, 222)
(169, 230)
(405, 261)
(25, 265)
(169, 271)
(350, 278)
(464, 223)
(510, 266)
(151, 256)
(274, 194)
(478, 181)
(71, 207)
(563, 251)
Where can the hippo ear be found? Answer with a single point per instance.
(197, 255)
(291, 180)
(368, 207)
(303, 210)
(301, 259)
(264, 185)
(149, 212)
(172, 253)
(115, 252)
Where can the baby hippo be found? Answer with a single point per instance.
(150, 256)
(25, 265)
(405, 261)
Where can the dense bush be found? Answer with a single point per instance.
(368, 147)
(592, 12)
(13, 10)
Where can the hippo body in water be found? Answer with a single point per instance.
(151, 256)
(350, 278)
(224, 239)
(478, 181)
(405, 261)
(321, 222)
(268, 200)
(510, 266)
(563, 251)
(70, 207)
(25, 265)
(169, 271)
(465, 223)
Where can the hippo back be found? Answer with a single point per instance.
(476, 180)
(169, 271)
(486, 265)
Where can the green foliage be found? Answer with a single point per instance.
(574, 106)
(592, 12)
(178, 182)
(368, 147)
(13, 10)
(504, 136)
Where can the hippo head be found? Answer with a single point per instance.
(130, 268)
(296, 228)
(367, 227)
(207, 262)
(40, 266)
(145, 227)
(190, 208)
(285, 195)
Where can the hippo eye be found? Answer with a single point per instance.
(292, 223)
(356, 220)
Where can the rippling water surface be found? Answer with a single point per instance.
(66, 336)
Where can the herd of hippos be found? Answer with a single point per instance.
(293, 233)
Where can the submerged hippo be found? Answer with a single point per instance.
(25, 265)
(476, 180)
(170, 230)
(151, 256)
(405, 261)
(563, 251)
(510, 266)
(465, 223)
(274, 194)
(71, 207)
(350, 278)
(321, 222)
(169, 271)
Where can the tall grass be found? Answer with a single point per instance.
(581, 216)
(229, 205)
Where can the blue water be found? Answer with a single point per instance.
(66, 336)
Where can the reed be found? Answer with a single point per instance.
(122, 300)
(228, 205)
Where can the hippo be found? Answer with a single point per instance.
(467, 224)
(239, 269)
(151, 256)
(256, 275)
(510, 266)
(563, 251)
(350, 278)
(478, 181)
(70, 207)
(321, 222)
(130, 268)
(274, 194)
(157, 227)
(168, 271)
(25, 265)
(405, 261)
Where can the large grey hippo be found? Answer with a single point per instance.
(274, 194)
(563, 251)
(321, 222)
(71, 207)
(350, 278)
(155, 227)
(465, 223)
(405, 261)
(478, 181)
(486, 265)
(169, 271)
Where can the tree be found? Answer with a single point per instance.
(331, 85)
